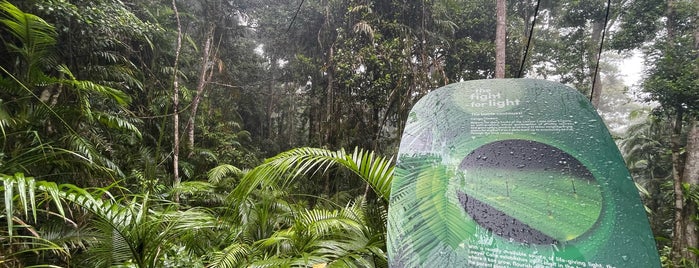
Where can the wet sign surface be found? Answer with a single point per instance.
(513, 173)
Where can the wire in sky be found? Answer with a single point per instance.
(295, 14)
(529, 40)
(599, 53)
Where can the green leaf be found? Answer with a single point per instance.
(283, 168)
(217, 173)
(8, 184)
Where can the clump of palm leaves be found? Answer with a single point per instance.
(290, 234)
(105, 229)
(50, 121)
(250, 220)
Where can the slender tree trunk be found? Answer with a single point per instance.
(696, 30)
(690, 178)
(500, 41)
(654, 202)
(329, 124)
(205, 73)
(679, 244)
(175, 104)
(424, 57)
(327, 119)
(316, 104)
(331, 119)
(681, 239)
(272, 118)
(597, 28)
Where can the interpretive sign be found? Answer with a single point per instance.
(513, 173)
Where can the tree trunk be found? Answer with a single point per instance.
(679, 243)
(176, 111)
(681, 239)
(696, 29)
(692, 165)
(500, 30)
(328, 126)
(205, 73)
(690, 178)
(597, 28)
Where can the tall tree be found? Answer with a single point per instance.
(500, 37)
(674, 88)
(686, 209)
(175, 104)
(206, 71)
(671, 81)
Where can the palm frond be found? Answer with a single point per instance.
(30, 29)
(198, 193)
(232, 256)
(118, 96)
(32, 245)
(376, 170)
(283, 168)
(194, 187)
(83, 147)
(217, 173)
(5, 119)
(25, 194)
(271, 263)
(439, 222)
(130, 229)
(446, 26)
(365, 28)
(114, 122)
(67, 236)
(35, 34)
(22, 197)
(323, 237)
(135, 230)
(360, 8)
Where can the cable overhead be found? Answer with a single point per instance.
(599, 53)
(529, 40)
(295, 14)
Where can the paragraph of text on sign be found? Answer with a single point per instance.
(496, 258)
(494, 125)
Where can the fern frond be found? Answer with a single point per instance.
(216, 174)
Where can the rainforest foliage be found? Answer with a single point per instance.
(154, 133)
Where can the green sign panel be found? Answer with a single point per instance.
(513, 173)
